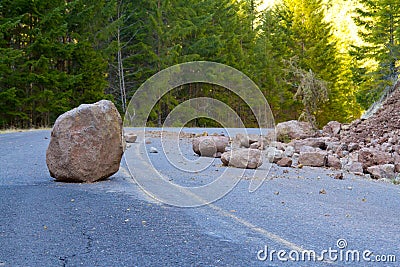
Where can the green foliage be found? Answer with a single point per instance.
(55, 55)
(378, 57)
(51, 59)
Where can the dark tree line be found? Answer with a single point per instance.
(55, 55)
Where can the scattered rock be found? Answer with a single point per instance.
(353, 146)
(86, 143)
(339, 176)
(245, 158)
(130, 137)
(303, 149)
(285, 162)
(246, 141)
(210, 146)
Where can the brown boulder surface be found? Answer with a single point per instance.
(86, 143)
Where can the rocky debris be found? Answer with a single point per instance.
(370, 157)
(369, 146)
(313, 159)
(285, 162)
(245, 158)
(86, 143)
(210, 146)
(130, 137)
(290, 130)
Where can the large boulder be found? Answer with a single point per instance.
(289, 130)
(243, 158)
(86, 143)
(210, 146)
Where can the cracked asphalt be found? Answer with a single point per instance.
(114, 223)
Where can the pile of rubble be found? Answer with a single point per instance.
(370, 146)
(364, 147)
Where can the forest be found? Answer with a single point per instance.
(315, 60)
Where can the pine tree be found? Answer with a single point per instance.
(53, 61)
(379, 24)
(310, 39)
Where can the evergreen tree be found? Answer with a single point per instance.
(52, 60)
(379, 27)
(309, 37)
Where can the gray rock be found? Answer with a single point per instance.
(353, 146)
(289, 151)
(86, 143)
(303, 149)
(278, 145)
(274, 154)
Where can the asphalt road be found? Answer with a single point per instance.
(114, 223)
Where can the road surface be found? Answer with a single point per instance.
(295, 213)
